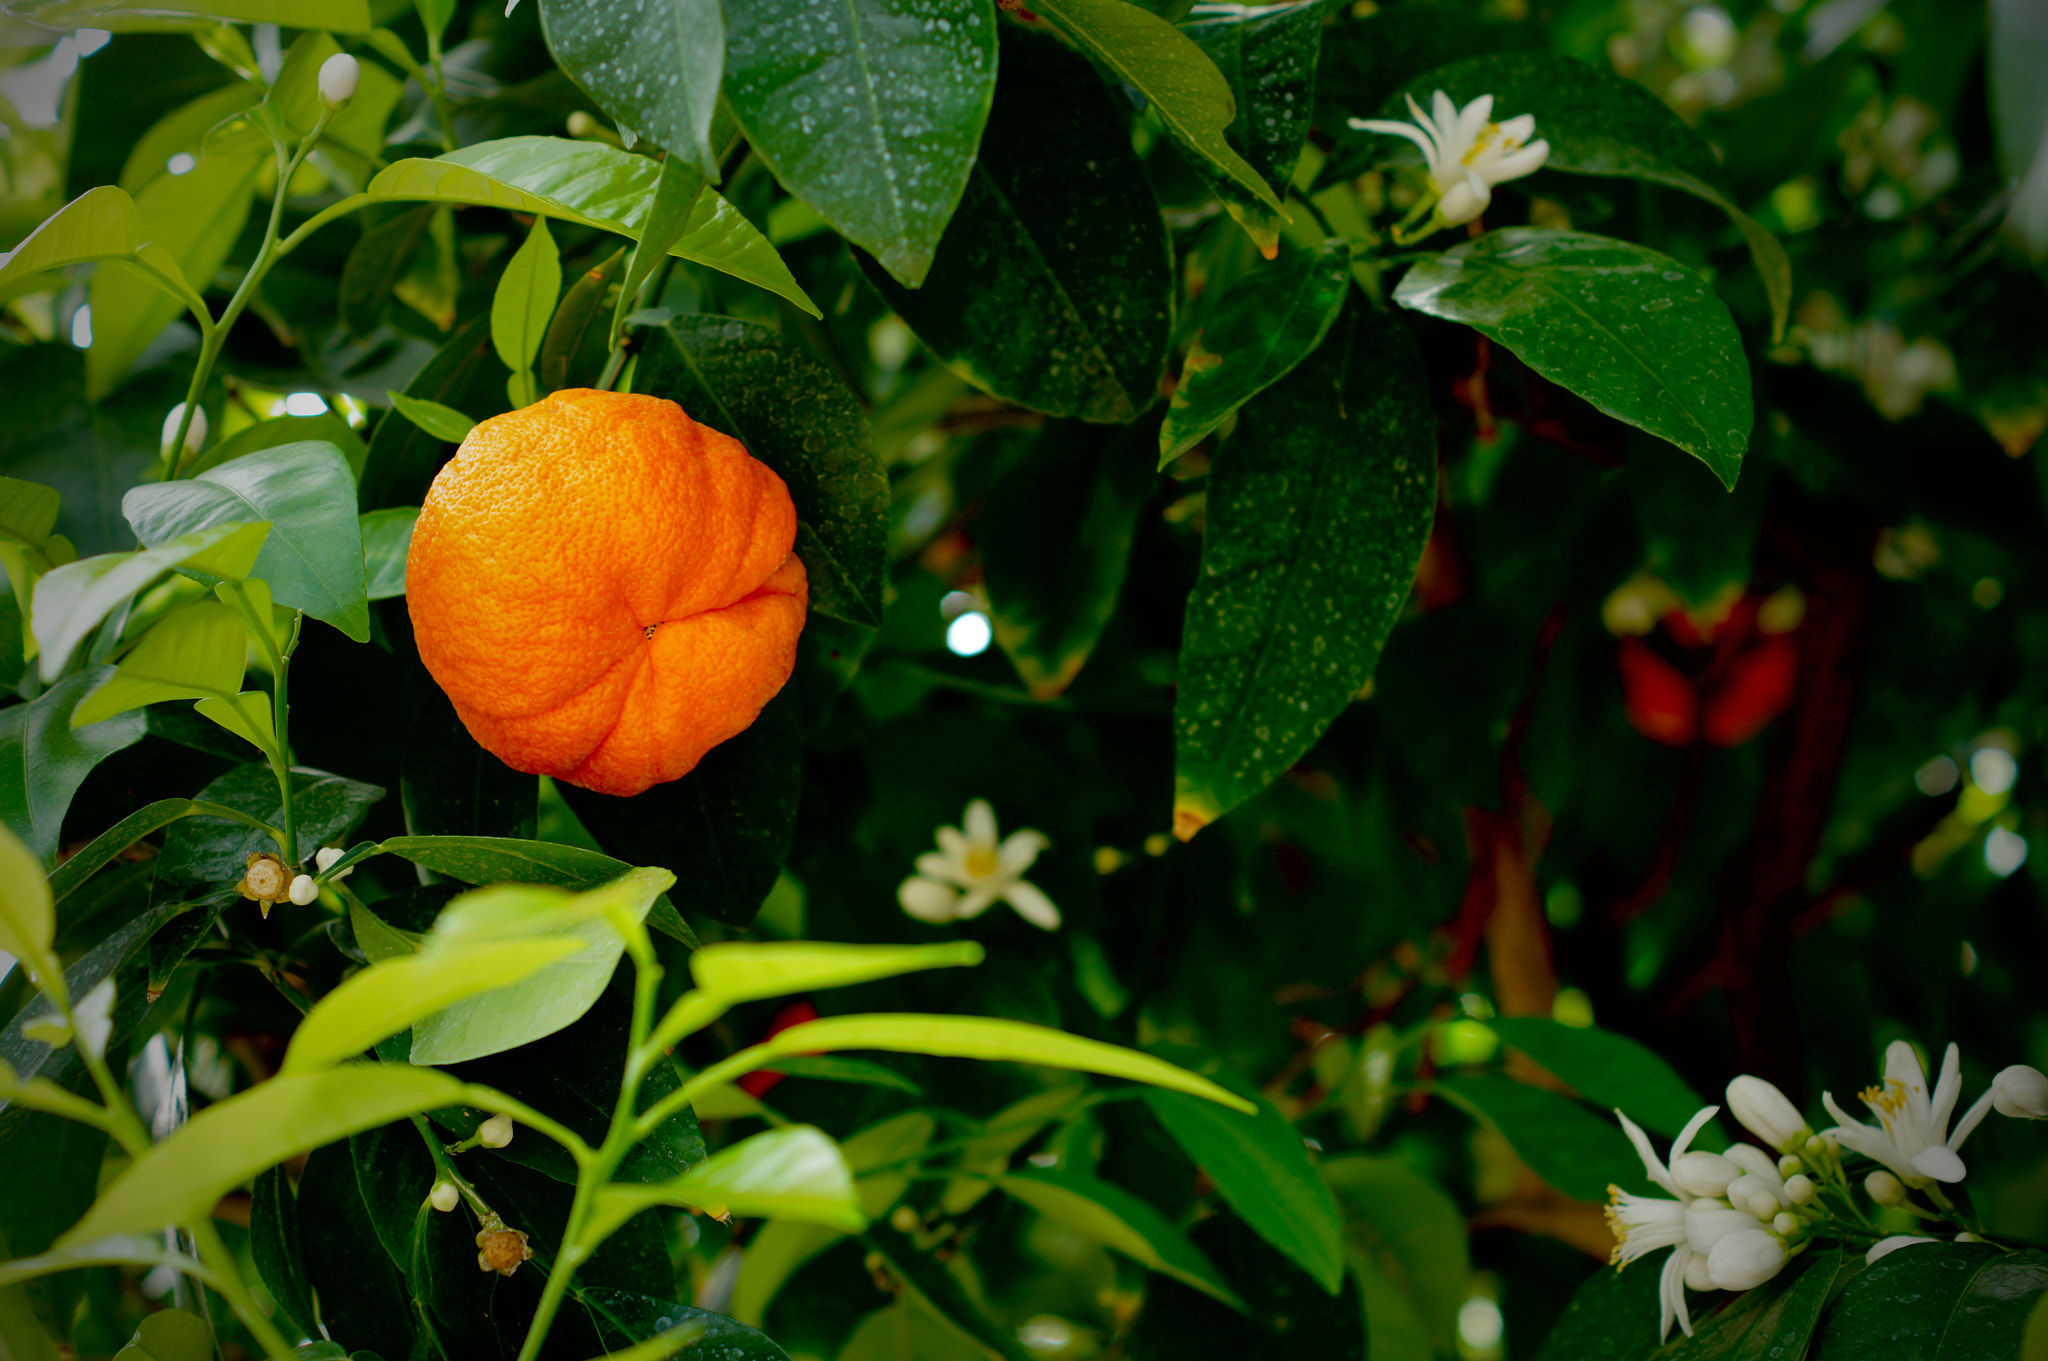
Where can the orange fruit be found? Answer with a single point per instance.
(605, 588)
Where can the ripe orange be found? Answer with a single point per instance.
(605, 588)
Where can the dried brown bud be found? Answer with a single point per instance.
(501, 1250)
(266, 881)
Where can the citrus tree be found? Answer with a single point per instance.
(1420, 626)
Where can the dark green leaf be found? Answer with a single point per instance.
(1613, 1317)
(435, 1252)
(328, 426)
(925, 1279)
(82, 864)
(1772, 1323)
(1608, 1070)
(1407, 1240)
(450, 786)
(1633, 332)
(1564, 1143)
(723, 829)
(870, 113)
(274, 1244)
(1287, 1314)
(491, 859)
(1269, 58)
(403, 458)
(43, 759)
(50, 1166)
(182, 934)
(1935, 1302)
(213, 852)
(675, 193)
(624, 1317)
(363, 1299)
(1118, 1219)
(1318, 508)
(313, 558)
(573, 352)
(1053, 286)
(387, 538)
(1268, 322)
(655, 71)
(795, 417)
(376, 265)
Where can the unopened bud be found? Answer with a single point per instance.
(338, 77)
(1790, 1165)
(495, 1132)
(905, 1220)
(1745, 1260)
(1766, 1112)
(324, 858)
(1784, 1225)
(444, 1197)
(304, 891)
(581, 124)
(1884, 1188)
(2020, 1092)
(195, 433)
(1816, 1146)
(1800, 1190)
(1704, 1174)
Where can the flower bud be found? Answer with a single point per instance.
(1697, 1277)
(581, 124)
(1745, 1260)
(444, 1197)
(2020, 1092)
(1767, 1113)
(303, 890)
(1704, 1174)
(324, 858)
(1790, 1165)
(195, 433)
(1884, 1247)
(1800, 1190)
(1706, 1226)
(1784, 1225)
(495, 1132)
(1884, 1188)
(338, 77)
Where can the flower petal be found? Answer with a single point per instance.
(1019, 849)
(980, 824)
(944, 868)
(953, 842)
(1939, 1162)
(1515, 131)
(1692, 1127)
(1464, 200)
(1408, 130)
(926, 899)
(1653, 1167)
(1516, 164)
(1033, 906)
(974, 904)
(1671, 1294)
(1970, 1120)
(1947, 1088)
(1472, 120)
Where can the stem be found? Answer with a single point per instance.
(613, 365)
(437, 91)
(221, 810)
(228, 1281)
(123, 1123)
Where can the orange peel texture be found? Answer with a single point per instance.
(605, 588)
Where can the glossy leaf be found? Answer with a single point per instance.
(1564, 1143)
(1775, 1321)
(1408, 1238)
(1268, 56)
(742, 971)
(794, 1173)
(387, 539)
(491, 859)
(193, 653)
(43, 759)
(274, 1246)
(573, 352)
(377, 264)
(520, 308)
(230, 1141)
(656, 72)
(1938, 1301)
(875, 124)
(711, 1337)
(1608, 1070)
(1633, 332)
(214, 851)
(329, 427)
(246, 715)
(95, 854)
(1261, 1167)
(444, 423)
(595, 185)
(1115, 1217)
(71, 600)
(313, 559)
(798, 419)
(1268, 322)
(1319, 506)
(100, 224)
(1052, 287)
(169, 1335)
(675, 193)
(1598, 123)
(1176, 77)
(360, 1291)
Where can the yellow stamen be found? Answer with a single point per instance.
(982, 862)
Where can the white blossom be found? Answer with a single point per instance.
(973, 868)
(94, 1015)
(1884, 1188)
(1759, 1191)
(338, 77)
(2020, 1092)
(1767, 1113)
(1911, 1136)
(1645, 1224)
(1467, 152)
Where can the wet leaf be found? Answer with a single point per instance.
(1938, 1301)
(1268, 56)
(655, 72)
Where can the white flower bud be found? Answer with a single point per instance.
(304, 890)
(1767, 1113)
(1884, 1188)
(1704, 1174)
(1697, 1277)
(495, 1132)
(195, 433)
(444, 1197)
(1816, 1146)
(1790, 1165)
(338, 77)
(2020, 1092)
(1706, 1226)
(1745, 1260)
(324, 858)
(1800, 1190)
(1784, 1225)
(1884, 1247)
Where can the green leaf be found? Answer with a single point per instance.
(27, 917)
(1612, 1317)
(169, 1335)
(674, 194)
(1053, 285)
(1775, 1321)
(387, 539)
(794, 1173)
(1268, 322)
(491, 859)
(520, 308)
(1598, 123)
(274, 1245)
(360, 1292)
(1564, 1143)
(313, 559)
(861, 1072)
(1938, 1301)
(986, 1038)
(329, 426)
(1179, 80)
(100, 224)
(595, 185)
(83, 864)
(573, 352)
(870, 116)
(1635, 333)
(944, 1310)
(1261, 1167)
(733, 972)
(1319, 506)
(71, 600)
(656, 73)
(1055, 537)
(1268, 56)
(192, 653)
(1608, 1070)
(43, 759)
(214, 852)
(1409, 1238)
(694, 1334)
(465, 376)
(153, 16)
(444, 423)
(1115, 1217)
(193, 220)
(376, 265)
(750, 383)
(228, 1143)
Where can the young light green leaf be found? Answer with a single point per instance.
(595, 185)
(1053, 285)
(1115, 1217)
(246, 715)
(329, 426)
(1635, 333)
(1319, 506)
(193, 653)
(150, 16)
(379, 939)
(43, 760)
(27, 915)
(387, 539)
(523, 303)
(491, 859)
(1182, 84)
(876, 128)
(392, 994)
(655, 71)
(795, 1173)
(313, 558)
(733, 972)
(100, 224)
(1268, 322)
(1268, 56)
(675, 193)
(71, 600)
(170, 1335)
(442, 422)
(182, 1178)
